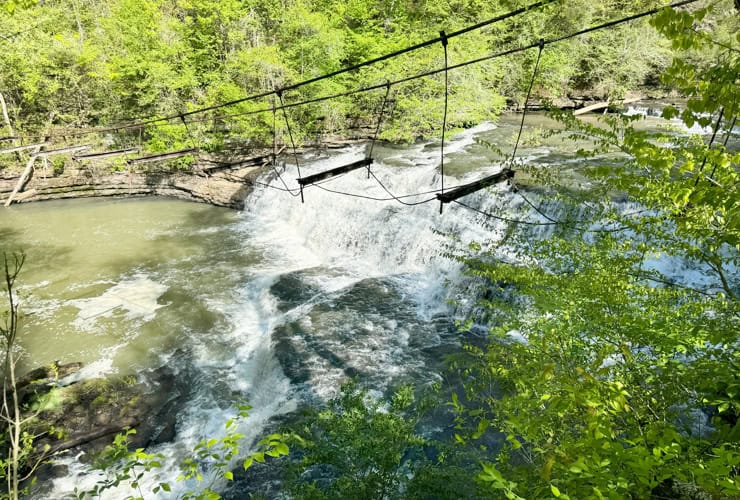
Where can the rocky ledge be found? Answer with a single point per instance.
(217, 180)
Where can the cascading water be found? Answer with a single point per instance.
(338, 287)
(280, 304)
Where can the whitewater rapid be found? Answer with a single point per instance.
(341, 286)
(349, 284)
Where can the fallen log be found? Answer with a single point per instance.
(22, 179)
(603, 104)
(26, 194)
(87, 437)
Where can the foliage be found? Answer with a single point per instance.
(213, 455)
(72, 64)
(624, 380)
(374, 441)
(122, 465)
(361, 446)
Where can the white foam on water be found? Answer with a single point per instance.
(335, 243)
(518, 337)
(459, 142)
(96, 369)
(136, 297)
(240, 358)
(364, 238)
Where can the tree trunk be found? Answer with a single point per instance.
(23, 177)
(6, 117)
(603, 105)
(87, 437)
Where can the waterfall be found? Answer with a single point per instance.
(339, 286)
(349, 284)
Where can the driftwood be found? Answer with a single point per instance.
(26, 195)
(22, 180)
(603, 104)
(23, 148)
(87, 437)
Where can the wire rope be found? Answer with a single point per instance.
(444, 119)
(711, 142)
(541, 46)
(292, 142)
(187, 131)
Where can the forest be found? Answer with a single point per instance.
(586, 369)
(80, 65)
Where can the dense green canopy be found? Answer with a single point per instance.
(70, 64)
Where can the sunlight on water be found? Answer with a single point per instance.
(277, 305)
(97, 271)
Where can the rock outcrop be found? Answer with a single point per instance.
(218, 181)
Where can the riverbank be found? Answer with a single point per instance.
(212, 180)
(222, 180)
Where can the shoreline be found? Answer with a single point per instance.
(211, 180)
(220, 180)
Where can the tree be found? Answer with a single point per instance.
(11, 411)
(360, 446)
(609, 375)
(22, 458)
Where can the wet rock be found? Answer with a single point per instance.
(91, 412)
(292, 290)
(41, 380)
(291, 358)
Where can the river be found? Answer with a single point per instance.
(277, 305)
